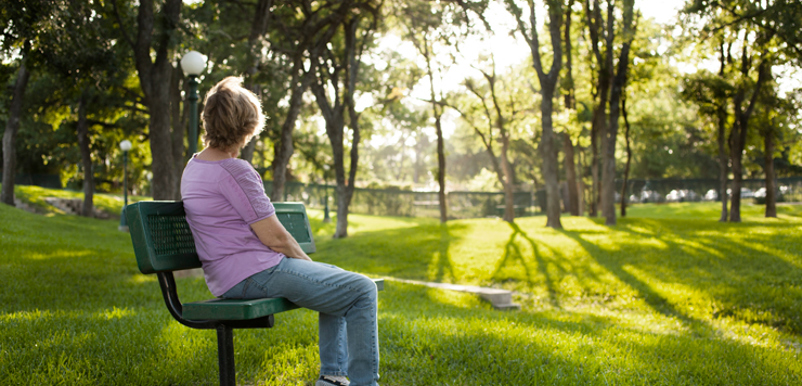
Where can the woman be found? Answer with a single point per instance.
(247, 253)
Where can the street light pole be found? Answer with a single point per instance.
(125, 146)
(193, 64)
(193, 115)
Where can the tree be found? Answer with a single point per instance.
(86, 65)
(604, 63)
(293, 38)
(21, 22)
(569, 95)
(153, 52)
(548, 86)
(9, 136)
(424, 26)
(259, 26)
(337, 73)
(711, 94)
(609, 141)
(764, 31)
(628, 163)
(611, 79)
(499, 113)
(775, 118)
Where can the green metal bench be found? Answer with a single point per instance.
(163, 243)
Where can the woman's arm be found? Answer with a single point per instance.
(274, 235)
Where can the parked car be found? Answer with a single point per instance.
(682, 195)
(650, 196)
(745, 193)
(674, 196)
(711, 195)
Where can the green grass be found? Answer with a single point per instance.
(35, 197)
(676, 300)
(708, 211)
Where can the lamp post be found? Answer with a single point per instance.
(193, 64)
(125, 146)
(326, 218)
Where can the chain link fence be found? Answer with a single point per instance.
(461, 204)
(406, 203)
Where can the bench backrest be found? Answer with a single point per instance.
(163, 241)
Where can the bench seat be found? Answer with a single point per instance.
(236, 309)
(242, 309)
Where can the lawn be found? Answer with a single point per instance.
(35, 197)
(665, 297)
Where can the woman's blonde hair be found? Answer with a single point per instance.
(232, 115)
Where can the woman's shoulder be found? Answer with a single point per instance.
(240, 170)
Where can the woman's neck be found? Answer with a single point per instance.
(215, 154)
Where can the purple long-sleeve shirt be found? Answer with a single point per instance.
(222, 199)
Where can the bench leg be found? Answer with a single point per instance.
(225, 355)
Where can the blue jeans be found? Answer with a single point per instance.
(347, 303)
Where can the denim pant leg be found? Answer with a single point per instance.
(333, 345)
(347, 302)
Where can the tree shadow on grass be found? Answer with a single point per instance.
(420, 251)
(464, 345)
(723, 269)
(513, 256)
(442, 265)
(613, 264)
(752, 271)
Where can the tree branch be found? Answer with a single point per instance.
(122, 26)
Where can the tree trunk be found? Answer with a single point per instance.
(345, 192)
(739, 130)
(598, 129)
(87, 210)
(346, 66)
(155, 80)
(284, 148)
(723, 160)
(609, 142)
(570, 175)
(164, 175)
(737, 178)
(570, 104)
(771, 188)
(355, 139)
(259, 26)
(509, 192)
(178, 121)
(721, 135)
(441, 157)
(549, 153)
(629, 155)
(335, 134)
(441, 171)
(10, 135)
(548, 84)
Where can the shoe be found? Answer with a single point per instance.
(327, 380)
